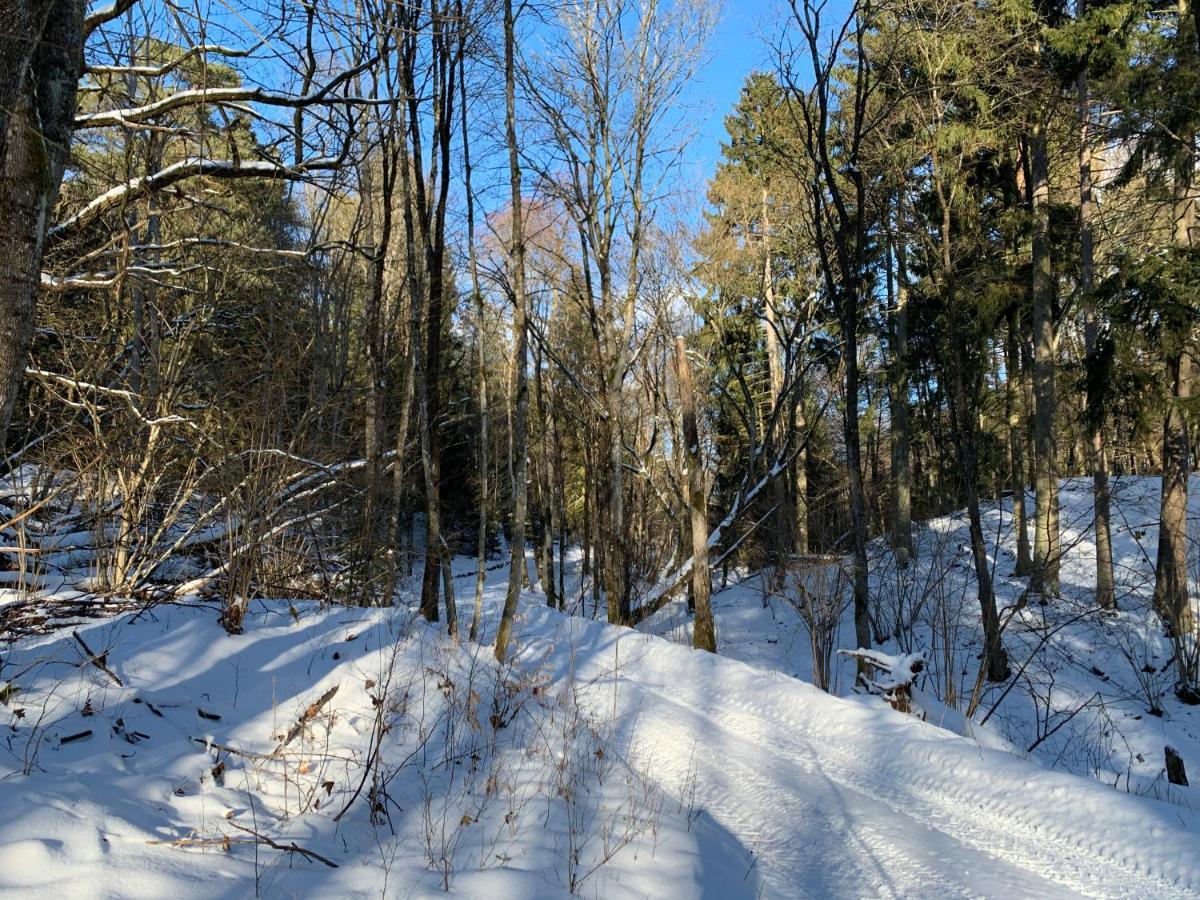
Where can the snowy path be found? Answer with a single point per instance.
(835, 798)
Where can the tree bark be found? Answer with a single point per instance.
(704, 631)
(519, 389)
(1014, 393)
(1046, 545)
(1171, 569)
(481, 356)
(1105, 593)
(42, 54)
(902, 540)
(966, 419)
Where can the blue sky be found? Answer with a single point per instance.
(738, 46)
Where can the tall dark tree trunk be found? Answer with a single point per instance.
(858, 503)
(544, 488)
(966, 419)
(791, 522)
(431, 206)
(41, 56)
(1171, 571)
(414, 278)
(1105, 593)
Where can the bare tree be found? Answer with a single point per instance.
(704, 632)
(605, 102)
(519, 390)
(835, 121)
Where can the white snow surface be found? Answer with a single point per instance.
(622, 760)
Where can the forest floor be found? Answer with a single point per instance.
(341, 752)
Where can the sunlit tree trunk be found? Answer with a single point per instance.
(519, 389)
(704, 631)
(1046, 545)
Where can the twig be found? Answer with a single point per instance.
(1076, 712)
(224, 748)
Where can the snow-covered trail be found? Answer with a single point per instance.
(837, 798)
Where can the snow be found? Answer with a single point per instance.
(1094, 677)
(620, 759)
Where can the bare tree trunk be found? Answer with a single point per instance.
(1014, 406)
(481, 367)
(1105, 594)
(1170, 573)
(42, 51)
(448, 591)
(401, 521)
(381, 228)
(858, 510)
(966, 423)
(704, 630)
(1046, 545)
(1171, 570)
(543, 489)
(520, 387)
(431, 206)
(902, 540)
(797, 516)
(585, 568)
(838, 196)
(561, 507)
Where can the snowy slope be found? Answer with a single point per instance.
(840, 798)
(1094, 694)
(657, 770)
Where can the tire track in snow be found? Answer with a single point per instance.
(826, 816)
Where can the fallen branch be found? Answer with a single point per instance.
(307, 716)
(97, 661)
(293, 847)
(225, 841)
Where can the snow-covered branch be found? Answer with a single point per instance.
(168, 67)
(180, 171)
(212, 96)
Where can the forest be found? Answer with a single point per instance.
(419, 474)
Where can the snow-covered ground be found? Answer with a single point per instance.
(1093, 693)
(617, 762)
